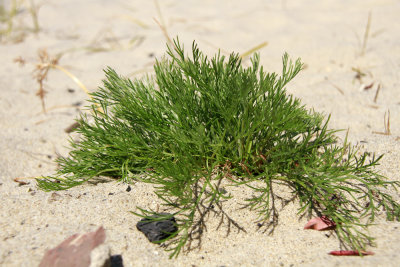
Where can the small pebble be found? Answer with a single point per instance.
(157, 230)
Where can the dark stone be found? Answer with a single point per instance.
(128, 189)
(116, 261)
(156, 229)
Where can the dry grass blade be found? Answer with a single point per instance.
(366, 35)
(105, 40)
(335, 86)
(164, 30)
(162, 24)
(135, 21)
(377, 93)
(386, 124)
(73, 77)
(254, 49)
(159, 12)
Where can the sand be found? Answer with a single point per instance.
(92, 34)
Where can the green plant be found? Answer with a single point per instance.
(200, 122)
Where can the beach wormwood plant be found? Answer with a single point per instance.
(199, 122)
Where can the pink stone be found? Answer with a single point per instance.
(320, 224)
(74, 251)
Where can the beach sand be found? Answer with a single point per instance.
(90, 35)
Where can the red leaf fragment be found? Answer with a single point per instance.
(350, 253)
(322, 223)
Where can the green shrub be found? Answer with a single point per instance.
(198, 122)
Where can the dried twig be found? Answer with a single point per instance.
(19, 60)
(41, 71)
(19, 181)
(377, 93)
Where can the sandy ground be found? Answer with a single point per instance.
(327, 35)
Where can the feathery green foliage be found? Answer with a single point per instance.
(198, 122)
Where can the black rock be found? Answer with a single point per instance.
(116, 261)
(156, 229)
